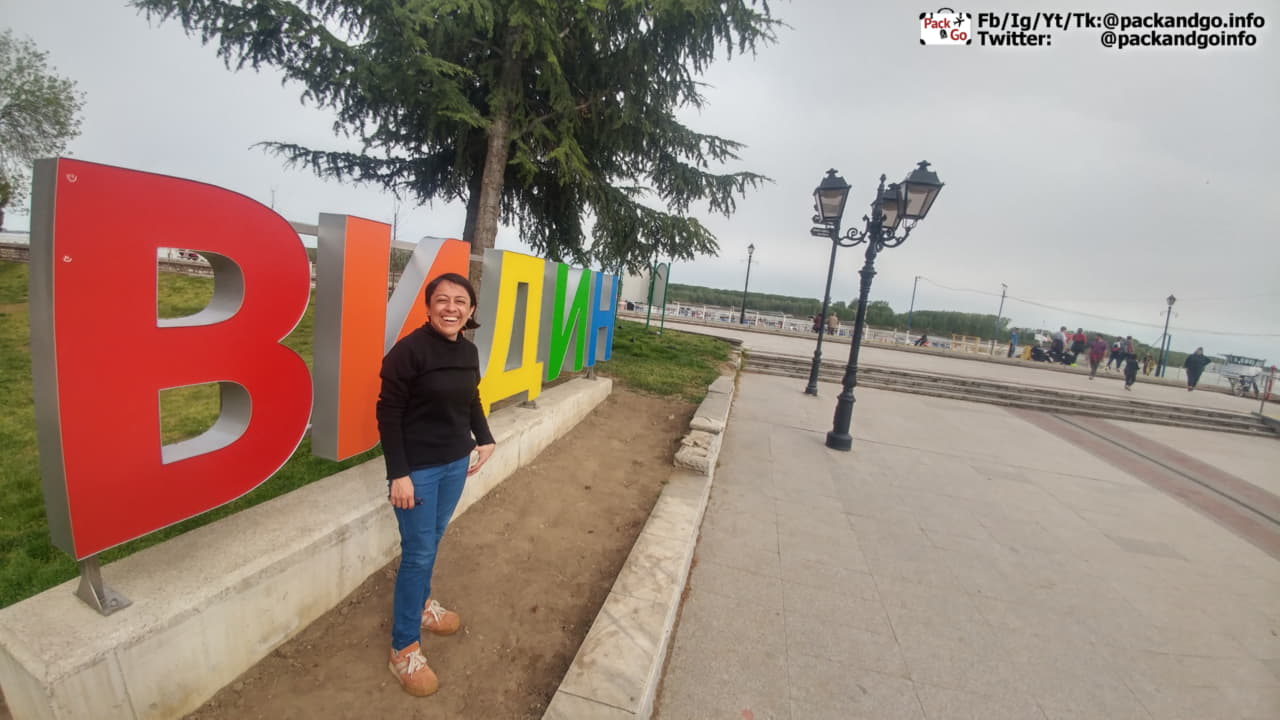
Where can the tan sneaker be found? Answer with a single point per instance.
(436, 619)
(410, 668)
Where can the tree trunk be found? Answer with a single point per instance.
(489, 206)
(469, 227)
(473, 206)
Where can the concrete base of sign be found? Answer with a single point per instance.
(209, 604)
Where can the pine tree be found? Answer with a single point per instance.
(552, 115)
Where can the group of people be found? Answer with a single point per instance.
(1122, 355)
(832, 323)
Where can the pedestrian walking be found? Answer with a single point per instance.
(1130, 370)
(1013, 341)
(1194, 365)
(1097, 350)
(1147, 362)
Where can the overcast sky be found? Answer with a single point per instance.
(1093, 180)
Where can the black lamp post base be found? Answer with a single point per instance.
(812, 387)
(839, 441)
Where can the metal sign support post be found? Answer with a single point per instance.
(98, 595)
(648, 300)
(666, 283)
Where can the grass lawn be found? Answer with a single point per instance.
(673, 363)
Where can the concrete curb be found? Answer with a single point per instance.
(209, 604)
(616, 672)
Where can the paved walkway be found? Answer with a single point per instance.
(962, 562)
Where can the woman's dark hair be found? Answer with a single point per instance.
(456, 279)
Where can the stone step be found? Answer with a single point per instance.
(887, 373)
(1015, 392)
(1083, 397)
(1106, 404)
(1019, 396)
(976, 384)
(1194, 424)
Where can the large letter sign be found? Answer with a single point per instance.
(101, 355)
(604, 312)
(510, 316)
(566, 311)
(352, 333)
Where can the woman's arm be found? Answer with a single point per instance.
(480, 429)
(393, 401)
(483, 453)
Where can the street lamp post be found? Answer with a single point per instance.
(896, 206)
(912, 309)
(828, 199)
(1164, 338)
(751, 249)
(995, 329)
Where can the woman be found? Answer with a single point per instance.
(428, 412)
(1097, 349)
(1195, 364)
(1130, 370)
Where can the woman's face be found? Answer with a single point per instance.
(449, 308)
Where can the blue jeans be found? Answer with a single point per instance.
(436, 490)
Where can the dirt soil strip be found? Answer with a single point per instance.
(528, 567)
(1200, 494)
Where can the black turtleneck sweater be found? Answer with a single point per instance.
(429, 406)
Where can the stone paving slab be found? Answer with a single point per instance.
(1255, 459)
(961, 563)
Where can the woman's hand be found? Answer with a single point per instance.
(483, 452)
(402, 493)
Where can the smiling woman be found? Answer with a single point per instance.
(429, 419)
(451, 307)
